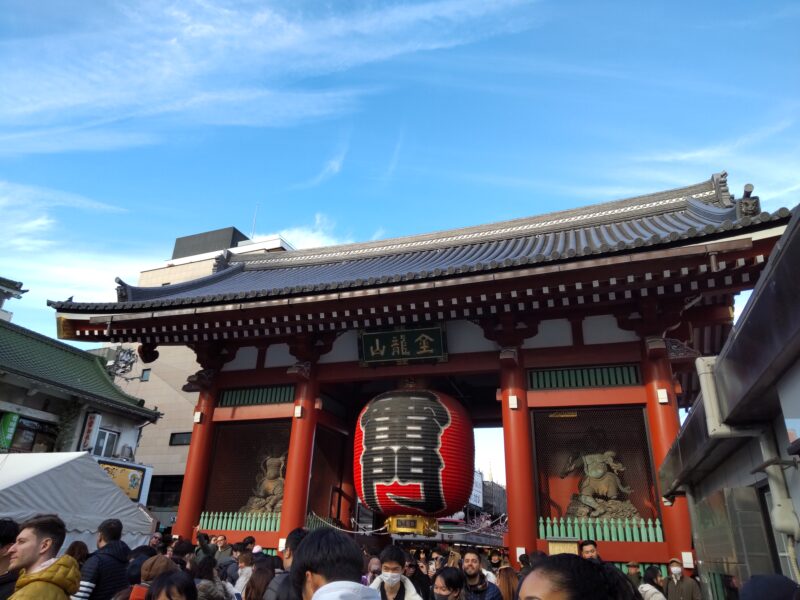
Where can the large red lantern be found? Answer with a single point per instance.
(414, 454)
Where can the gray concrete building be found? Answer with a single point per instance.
(736, 458)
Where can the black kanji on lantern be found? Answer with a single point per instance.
(402, 434)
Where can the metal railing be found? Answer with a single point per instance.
(239, 521)
(601, 530)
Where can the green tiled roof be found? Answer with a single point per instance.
(57, 365)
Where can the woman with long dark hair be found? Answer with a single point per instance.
(209, 585)
(570, 577)
(175, 585)
(652, 586)
(256, 588)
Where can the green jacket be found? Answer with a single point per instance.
(56, 582)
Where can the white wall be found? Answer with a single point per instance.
(552, 333)
(167, 375)
(345, 349)
(278, 355)
(246, 358)
(603, 329)
(466, 336)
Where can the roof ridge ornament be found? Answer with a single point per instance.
(748, 205)
(122, 290)
(221, 261)
(720, 181)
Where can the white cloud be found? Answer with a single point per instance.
(724, 149)
(51, 267)
(28, 215)
(331, 168)
(59, 139)
(394, 160)
(16, 194)
(56, 272)
(142, 67)
(321, 233)
(761, 156)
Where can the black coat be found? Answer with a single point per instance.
(7, 583)
(228, 570)
(105, 572)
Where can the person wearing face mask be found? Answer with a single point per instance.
(392, 584)
(680, 587)
(449, 584)
(495, 559)
(327, 566)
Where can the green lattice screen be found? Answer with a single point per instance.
(584, 377)
(271, 394)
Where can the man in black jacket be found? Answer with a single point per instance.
(280, 588)
(104, 572)
(478, 587)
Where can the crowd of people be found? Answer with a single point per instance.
(324, 564)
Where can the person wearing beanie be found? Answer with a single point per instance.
(152, 568)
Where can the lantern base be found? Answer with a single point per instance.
(412, 524)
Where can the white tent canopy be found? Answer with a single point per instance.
(73, 486)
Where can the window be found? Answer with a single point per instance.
(106, 443)
(145, 376)
(33, 436)
(165, 491)
(180, 439)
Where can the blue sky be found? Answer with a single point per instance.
(126, 124)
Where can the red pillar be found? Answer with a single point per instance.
(348, 507)
(301, 452)
(664, 427)
(195, 478)
(518, 444)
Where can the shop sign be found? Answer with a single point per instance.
(402, 346)
(130, 479)
(8, 425)
(90, 431)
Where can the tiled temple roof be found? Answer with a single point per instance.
(691, 213)
(59, 366)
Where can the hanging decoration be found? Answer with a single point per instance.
(414, 455)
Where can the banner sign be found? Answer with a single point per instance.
(90, 431)
(476, 497)
(8, 425)
(401, 346)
